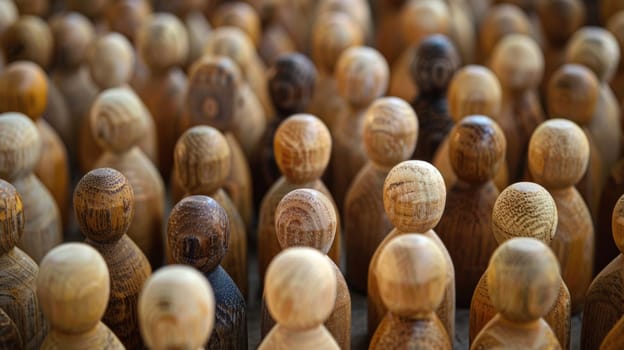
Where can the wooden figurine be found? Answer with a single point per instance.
(8, 16)
(411, 273)
(302, 148)
(306, 217)
(523, 277)
(198, 234)
(275, 39)
(19, 273)
(24, 89)
(414, 28)
(104, 207)
(435, 62)
(476, 151)
(558, 158)
(73, 287)
(176, 309)
(202, 160)
(414, 198)
(29, 39)
(212, 95)
(291, 85)
(524, 209)
(117, 124)
(362, 76)
(615, 25)
(559, 20)
(387, 16)
(10, 337)
(242, 15)
(390, 134)
(163, 44)
(474, 90)
(73, 33)
(499, 21)
(300, 291)
(518, 63)
(597, 49)
(331, 36)
(110, 66)
(20, 150)
(614, 339)
(358, 10)
(37, 8)
(603, 304)
(93, 10)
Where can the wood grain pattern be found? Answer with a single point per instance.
(18, 301)
(390, 132)
(202, 163)
(21, 149)
(104, 207)
(75, 312)
(612, 191)
(414, 200)
(300, 291)
(499, 21)
(198, 233)
(615, 26)
(613, 340)
(10, 337)
(524, 281)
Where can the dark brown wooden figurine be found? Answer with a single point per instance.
(390, 133)
(302, 146)
(523, 278)
(411, 273)
(524, 209)
(558, 158)
(306, 217)
(202, 160)
(20, 150)
(73, 287)
(435, 62)
(104, 207)
(198, 234)
(414, 199)
(18, 279)
(24, 89)
(117, 124)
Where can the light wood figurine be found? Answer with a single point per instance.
(499, 21)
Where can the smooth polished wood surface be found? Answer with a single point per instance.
(499, 21)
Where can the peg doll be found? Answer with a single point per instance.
(500, 20)
(242, 15)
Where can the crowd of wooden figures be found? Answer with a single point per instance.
(462, 154)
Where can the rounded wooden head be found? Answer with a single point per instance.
(241, 15)
(435, 62)
(305, 217)
(573, 94)
(300, 288)
(92, 9)
(11, 217)
(20, 145)
(523, 279)
(524, 209)
(29, 39)
(362, 74)
(198, 233)
(212, 87)
(176, 309)
(474, 90)
(104, 205)
(595, 48)
(8, 14)
(559, 19)
(616, 27)
(73, 35)
(73, 287)
(202, 160)
(163, 42)
(24, 89)
(359, 11)
(414, 196)
(302, 146)
(421, 18)
(411, 274)
(558, 154)
(499, 21)
(518, 62)
(111, 61)
(118, 120)
(291, 83)
(477, 147)
(390, 131)
(37, 8)
(127, 16)
(333, 33)
(608, 8)
(231, 42)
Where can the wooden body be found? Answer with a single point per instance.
(230, 329)
(605, 127)
(500, 333)
(101, 337)
(395, 332)
(434, 124)
(10, 337)
(605, 246)
(613, 340)
(281, 338)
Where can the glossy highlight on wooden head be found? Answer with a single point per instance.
(11, 217)
(518, 62)
(362, 74)
(163, 42)
(24, 89)
(597, 49)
